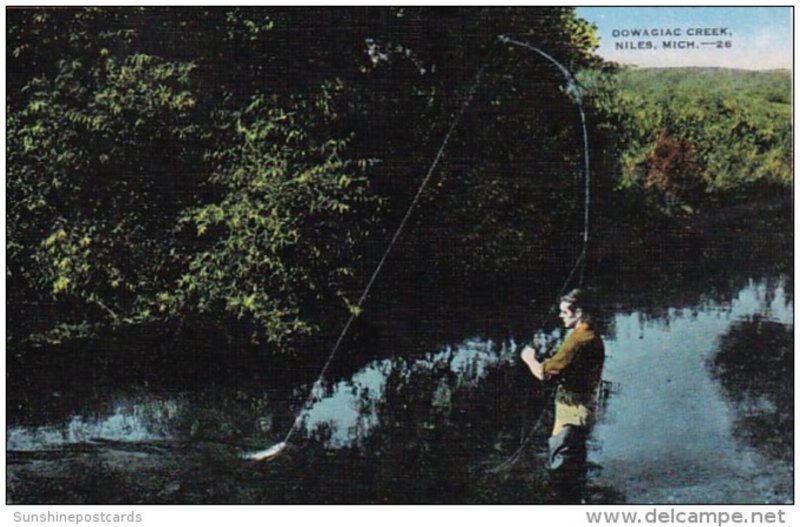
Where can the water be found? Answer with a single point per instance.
(411, 427)
(668, 435)
(130, 421)
(350, 409)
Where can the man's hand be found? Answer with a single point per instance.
(528, 356)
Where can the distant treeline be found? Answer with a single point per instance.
(235, 173)
(694, 138)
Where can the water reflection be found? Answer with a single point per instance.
(668, 435)
(346, 412)
(755, 366)
(133, 421)
(686, 423)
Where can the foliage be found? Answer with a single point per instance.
(731, 128)
(114, 151)
(219, 168)
(101, 157)
(673, 170)
(281, 231)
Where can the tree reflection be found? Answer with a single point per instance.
(755, 365)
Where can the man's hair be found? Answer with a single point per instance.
(576, 300)
(592, 312)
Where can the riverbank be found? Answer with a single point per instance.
(428, 397)
(435, 428)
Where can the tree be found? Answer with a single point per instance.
(220, 167)
(673, 170)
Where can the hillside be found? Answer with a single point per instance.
(769, 90)
(700, 136)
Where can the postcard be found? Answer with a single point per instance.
(411, 255)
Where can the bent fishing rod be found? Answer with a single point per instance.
(573, 88)
(278, 448)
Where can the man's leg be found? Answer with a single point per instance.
(567, 463)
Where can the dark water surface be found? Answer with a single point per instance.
(670, 433)
(430, 399)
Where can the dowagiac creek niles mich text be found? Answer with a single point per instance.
(671, 38)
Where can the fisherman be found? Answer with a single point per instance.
(576, 368)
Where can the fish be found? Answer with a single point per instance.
(266, 454)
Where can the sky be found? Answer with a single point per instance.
(755, 38)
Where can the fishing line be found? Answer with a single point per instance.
(278, 448)
(573, 88)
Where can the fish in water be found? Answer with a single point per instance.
(266, 454)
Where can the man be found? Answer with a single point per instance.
(576, 367)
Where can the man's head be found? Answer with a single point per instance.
(571, 308)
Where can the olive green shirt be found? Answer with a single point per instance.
(577, 365)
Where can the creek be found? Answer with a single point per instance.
(429, 398)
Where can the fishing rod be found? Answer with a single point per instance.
(278, 448)
(573, 88)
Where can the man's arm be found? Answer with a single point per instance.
(566, 353)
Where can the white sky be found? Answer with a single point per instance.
(759, 37)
